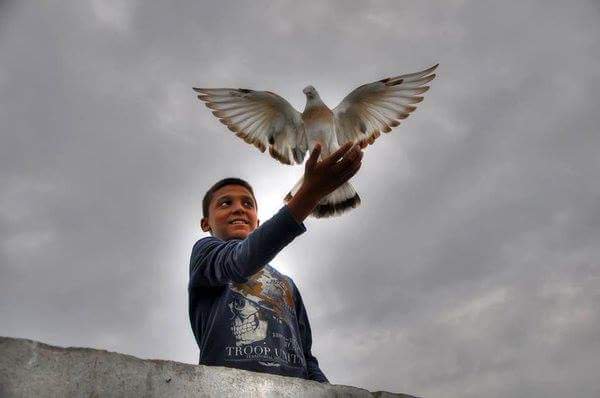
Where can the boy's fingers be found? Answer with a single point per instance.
(314, 156)
(348, 174)
(354, 155)
(337, 155)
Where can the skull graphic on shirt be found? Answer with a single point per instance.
(266, 295)
(248, 325)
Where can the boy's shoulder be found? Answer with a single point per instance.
(210, 241)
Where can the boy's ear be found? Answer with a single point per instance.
(257, 222)
(204, 225)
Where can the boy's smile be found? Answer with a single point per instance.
(232, 213)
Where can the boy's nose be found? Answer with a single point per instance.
(238, 208)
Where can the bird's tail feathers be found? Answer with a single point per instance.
(339, 201)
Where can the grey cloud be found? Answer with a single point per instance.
(471, 267)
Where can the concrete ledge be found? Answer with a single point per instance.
(32, 369)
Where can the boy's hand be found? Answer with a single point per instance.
(323, 177)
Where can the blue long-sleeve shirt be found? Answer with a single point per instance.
(244, 313)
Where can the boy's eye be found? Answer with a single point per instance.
(225, 203)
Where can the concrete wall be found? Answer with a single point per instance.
(32, 369)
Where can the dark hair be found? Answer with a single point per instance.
(220, 184)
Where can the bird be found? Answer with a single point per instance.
(266, 120)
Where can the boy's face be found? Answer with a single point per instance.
(231, 213)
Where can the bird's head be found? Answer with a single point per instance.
(310, 92)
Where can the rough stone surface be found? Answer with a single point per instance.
(32, 369)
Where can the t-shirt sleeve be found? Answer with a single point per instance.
(215, 262)
(312, 364)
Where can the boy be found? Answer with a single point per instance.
(244, 313)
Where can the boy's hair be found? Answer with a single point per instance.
(220, 184)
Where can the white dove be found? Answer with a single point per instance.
(263, 118)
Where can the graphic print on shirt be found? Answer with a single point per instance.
(262, 319)
(248, 325)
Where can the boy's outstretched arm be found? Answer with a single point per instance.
(322, 178)
(215, 262)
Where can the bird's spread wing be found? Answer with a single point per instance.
(377, 107)
(260, 118)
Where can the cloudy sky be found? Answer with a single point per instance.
(472, 267)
